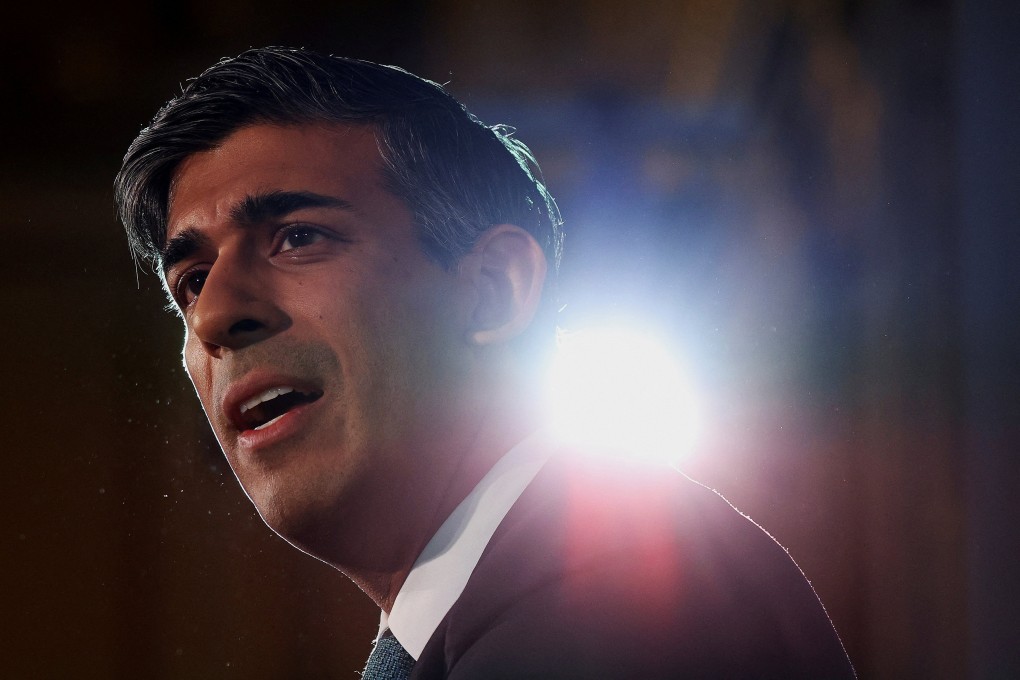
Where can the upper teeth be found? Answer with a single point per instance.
(271, 393)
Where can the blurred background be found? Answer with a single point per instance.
(813, 202)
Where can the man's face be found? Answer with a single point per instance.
(327, 349)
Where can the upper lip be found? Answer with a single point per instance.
(253, 386)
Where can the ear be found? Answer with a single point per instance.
(507, 267)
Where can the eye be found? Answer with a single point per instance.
(189, 286)
(299, 236)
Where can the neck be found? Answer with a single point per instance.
(501, 426)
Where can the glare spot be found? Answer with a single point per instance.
(621, 391)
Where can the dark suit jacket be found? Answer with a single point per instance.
(610, 569)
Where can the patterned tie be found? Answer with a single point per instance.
(388, 660)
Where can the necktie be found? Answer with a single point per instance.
(388, 660)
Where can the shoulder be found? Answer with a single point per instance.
(607, 568)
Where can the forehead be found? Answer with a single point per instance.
(336, 160)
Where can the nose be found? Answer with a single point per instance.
(236, 308)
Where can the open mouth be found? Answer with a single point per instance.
(271, 405)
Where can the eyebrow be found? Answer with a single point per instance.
(180, 247)
(264, 206)
(251, 210)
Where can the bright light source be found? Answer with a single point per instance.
(622, 391)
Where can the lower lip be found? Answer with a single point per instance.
(287, 425)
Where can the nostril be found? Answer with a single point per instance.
(245, 326)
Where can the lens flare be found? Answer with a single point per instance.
(621, 391)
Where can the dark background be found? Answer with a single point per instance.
(813, 201)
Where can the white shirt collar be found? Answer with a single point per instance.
(442, 570)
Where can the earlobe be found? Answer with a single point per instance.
(509, 271)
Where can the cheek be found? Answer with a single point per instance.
(192, 356)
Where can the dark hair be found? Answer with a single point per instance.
(458, 176)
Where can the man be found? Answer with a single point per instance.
(364, 272)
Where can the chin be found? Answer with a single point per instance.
(285, 519)
(301, 525)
